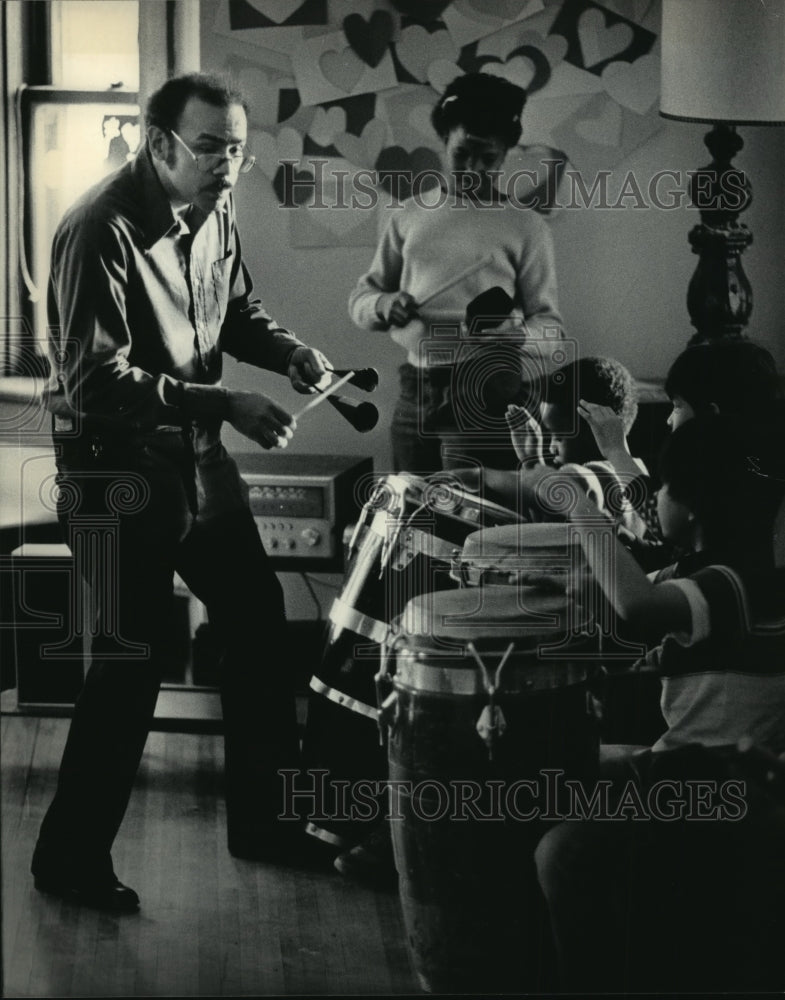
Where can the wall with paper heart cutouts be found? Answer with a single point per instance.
(346, 88)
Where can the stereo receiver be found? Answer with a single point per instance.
(302, 503)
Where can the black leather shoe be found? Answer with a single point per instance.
(108, 894)
(371, 862)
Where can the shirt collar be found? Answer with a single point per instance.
(158, 217)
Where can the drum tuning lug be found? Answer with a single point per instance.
(490, 726)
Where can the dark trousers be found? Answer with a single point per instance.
(434, 428)
(128, 511)
(645, 904)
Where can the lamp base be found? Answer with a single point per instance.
(719, 297)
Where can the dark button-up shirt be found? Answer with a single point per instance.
(142, 304)
(135, 322)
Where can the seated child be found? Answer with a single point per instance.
(669, 903)
(562, 437)
(732, 377)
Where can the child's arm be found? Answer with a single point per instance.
(650, 609)
(377, 302)
(610, 437)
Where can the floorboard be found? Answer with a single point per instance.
(210, 925)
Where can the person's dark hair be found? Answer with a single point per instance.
(737, 376)
(728, 472)
(597, 380)
(484, 105)
(165, 106)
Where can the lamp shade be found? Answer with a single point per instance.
(723, 61)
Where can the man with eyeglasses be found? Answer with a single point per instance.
(147, 291)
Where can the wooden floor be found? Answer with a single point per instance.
(209, 925)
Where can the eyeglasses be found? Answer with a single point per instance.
(208, 163)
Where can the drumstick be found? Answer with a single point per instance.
(324, 394)
(456, 279)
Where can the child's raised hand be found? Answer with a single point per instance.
(606, 426)
(526, 434)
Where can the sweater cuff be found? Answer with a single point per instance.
(379, 315)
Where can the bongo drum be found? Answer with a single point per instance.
(487, 718)
(544, 554)
(408, 532)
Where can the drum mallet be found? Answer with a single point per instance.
(362, 416)
(324, 394)
(455, 280)
(366, 379)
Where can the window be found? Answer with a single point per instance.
(79, 125)
(94, 46)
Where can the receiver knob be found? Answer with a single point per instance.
(310, 536)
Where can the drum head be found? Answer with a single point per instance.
(537, 554)
(510, 539)
(492, 614)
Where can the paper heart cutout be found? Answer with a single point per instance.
(417, 49)
(397, 167)
(265, 94)
(442, 72)
(605, 129)
(326, 124)
(301, 187)
(265, 149)
(553, 47)
(352, 148)
(634, 10)
(275, 10)
(506, 9)
(519, 70)
(364, 149)
(270, 149)
(420, 119)
(600, 42)
(633, 85)
(342, 69)
(567, 80)
(370, 38)
(412, 51)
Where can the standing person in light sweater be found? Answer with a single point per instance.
(433, 238)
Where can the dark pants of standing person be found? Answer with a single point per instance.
(434, 428)
(127, 506)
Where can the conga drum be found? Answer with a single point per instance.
(626, 689)
(408, 532)
(488, 724)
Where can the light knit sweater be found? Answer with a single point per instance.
(423, 248)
